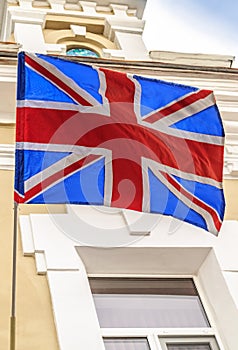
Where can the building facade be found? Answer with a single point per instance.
(96, 278)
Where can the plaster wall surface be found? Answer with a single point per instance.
(72, 243)
(34, 321)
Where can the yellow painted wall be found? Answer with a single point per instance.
(231, 195)
(35, 324)
(7, 134)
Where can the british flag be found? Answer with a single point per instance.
(89, 135)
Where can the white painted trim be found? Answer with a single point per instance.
(26, 236)
(144, 332)
(8, 73)
(74, 312)
(195, 59)
(84, 9)
(211, 279)
(7, 153)
(137, 275)
(210, 315)
(152, 340)
(40, 263)
(189, 340)
(138, 223)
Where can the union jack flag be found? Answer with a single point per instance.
(89, 135)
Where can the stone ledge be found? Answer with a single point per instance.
(195, 59)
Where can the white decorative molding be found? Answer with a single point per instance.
(130, 25)
(9, 47)
(25, 4)
(104, 9)
(78, 31)
(28, 11)
(30, 36)
(132, 45)
(72, 6)
(40, 263)
(8, 73)
(7, 157)
(89, 7)
(131, 12)
(110, 53)
(228, 113)
(41, 4)
(57, 5)
(119, 10)
(140, 224)
(25, 16)
(58, 49)
(126, 33)
(231, 161)
(231, 169)
(231, 127)
(26, 235)
(195, 59)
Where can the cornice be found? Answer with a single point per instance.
(231, 162)
(7, 155)
(8, 73)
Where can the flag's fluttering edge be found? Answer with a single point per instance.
(89, 135)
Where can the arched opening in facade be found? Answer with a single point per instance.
(81, 51)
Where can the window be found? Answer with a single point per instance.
(126, 344)
(147, 303)
(136, 313)
(81, 52)
(191, 343)
(189, 346)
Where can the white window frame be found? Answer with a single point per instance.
(149, 338)
(155, 335)
(189, 340)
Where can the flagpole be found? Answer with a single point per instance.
(14, 267)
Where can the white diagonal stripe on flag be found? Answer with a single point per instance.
(187, 135)
(51, 170)
(63, 106)
(64, 78)
(193, 108)
(205, 214)
(185, 175)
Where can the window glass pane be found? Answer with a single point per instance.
(162, 286)
(188, 347)
(189, 343)
(126, 344)
(81, 52)
(147, 303)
